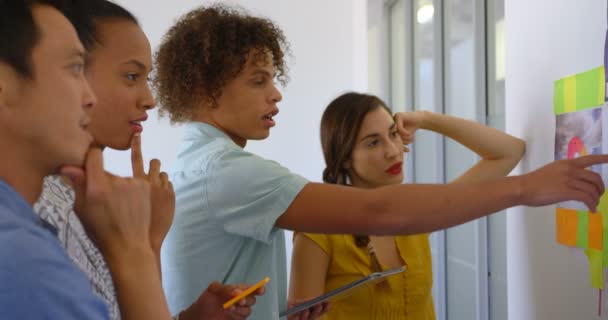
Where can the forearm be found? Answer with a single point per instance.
(139, 290)
(397, 209)
(488, 143)
(412, 209)
(156, 251)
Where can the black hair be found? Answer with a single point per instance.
(86, 14)
(19, 33)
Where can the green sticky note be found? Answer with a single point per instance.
(579, 92)
(582, 235)
(596, 274)
(588, 87)
(603, 209)
(601, 93)
(558, 97)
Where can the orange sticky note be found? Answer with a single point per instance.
(595, 231)
(566, 221)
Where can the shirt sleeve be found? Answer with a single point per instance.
(40, 282)
(248, 193)
(322, 240)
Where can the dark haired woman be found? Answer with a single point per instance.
(363, 149)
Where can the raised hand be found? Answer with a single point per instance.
(115, 211)
(162, 196)
(116, 214)
(407, 125)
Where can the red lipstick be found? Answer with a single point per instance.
(395, 169)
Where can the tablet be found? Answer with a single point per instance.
(344, 291)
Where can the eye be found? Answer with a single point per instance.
(372, 143)
(77, 68)
(259, 82)
(395, 134)
(132, 76)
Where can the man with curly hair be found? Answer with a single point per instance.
(215, 72)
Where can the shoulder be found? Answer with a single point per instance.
(327, 242)
(237, 167)
(38, 273)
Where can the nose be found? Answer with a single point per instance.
(147, 101)
(393, 150)
(276, 96)
(88, 97)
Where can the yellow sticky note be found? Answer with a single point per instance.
(570, 94)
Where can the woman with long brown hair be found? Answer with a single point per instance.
(364, 148)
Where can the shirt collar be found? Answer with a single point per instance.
(13, 200)
(197, 129)
(200, 130)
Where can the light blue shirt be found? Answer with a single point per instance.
(227, 202)
(37, 279)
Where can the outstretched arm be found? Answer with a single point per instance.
(411, 208)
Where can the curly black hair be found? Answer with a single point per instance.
(206, 48)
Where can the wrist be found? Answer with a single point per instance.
(517, 187)
(120, 258)
(426, 119)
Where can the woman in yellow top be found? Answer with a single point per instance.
(363, 147)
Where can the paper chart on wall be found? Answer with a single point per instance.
(581, 129)
(580, 104)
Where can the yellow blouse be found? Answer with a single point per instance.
(407, 296)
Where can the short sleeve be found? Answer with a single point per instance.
(40, 282)
(248, 194)
(322, 240)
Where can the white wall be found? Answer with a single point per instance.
(546, 40)
(328, 41)
(378, 51)
(329, 45)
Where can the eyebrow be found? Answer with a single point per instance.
(137, 63)
(375, 134)
(263, 72)
(77, 53)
